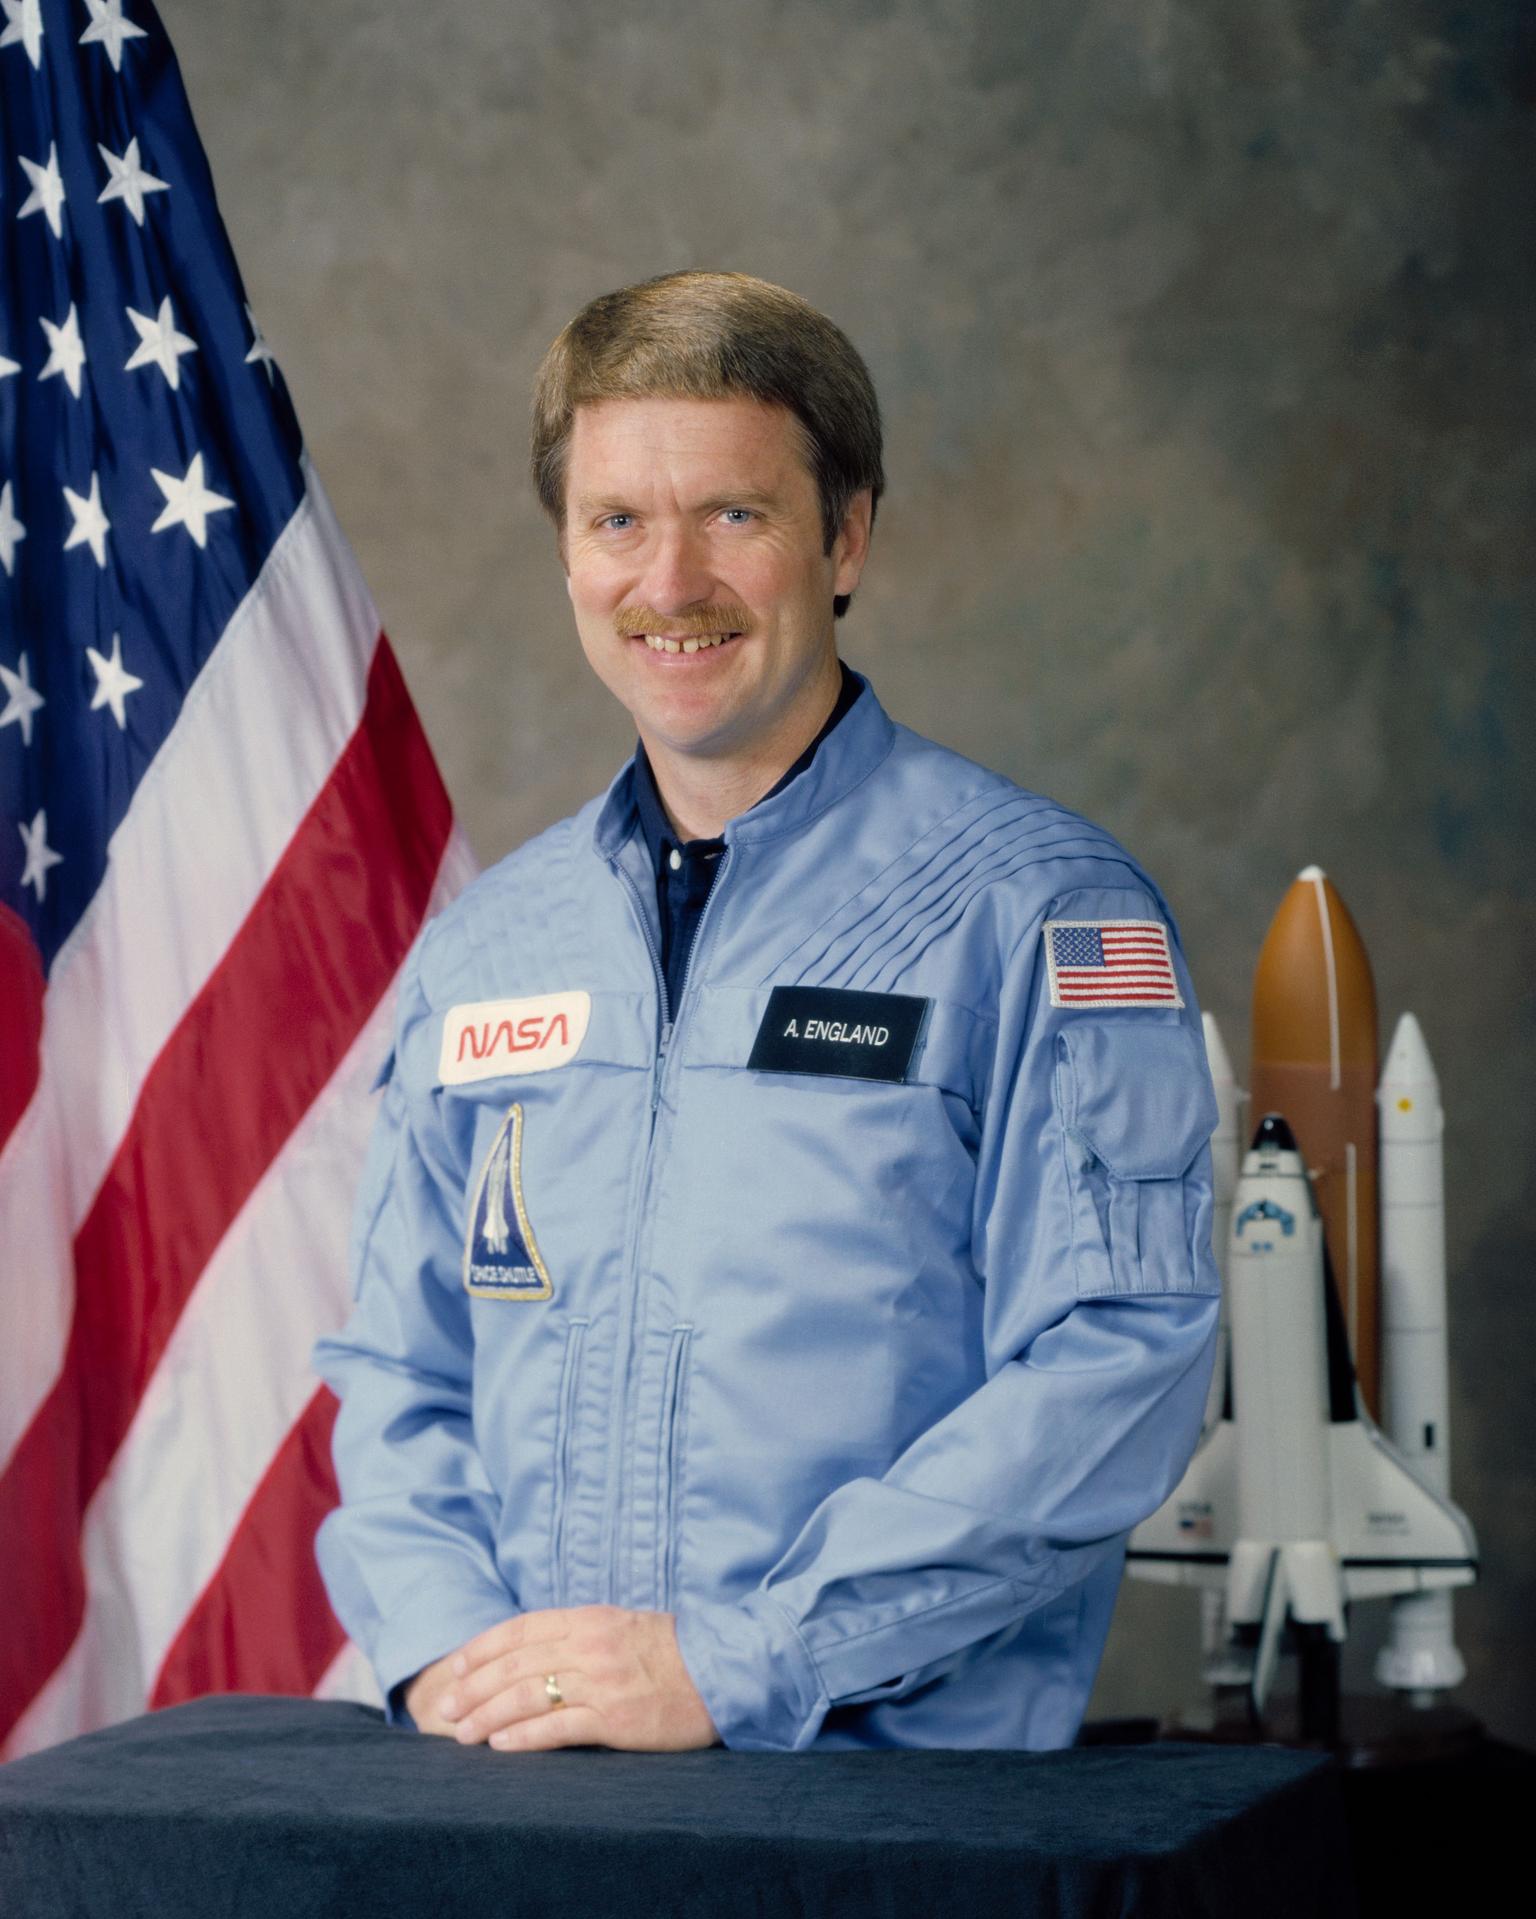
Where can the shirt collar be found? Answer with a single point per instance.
(657, 828)
(654, 823)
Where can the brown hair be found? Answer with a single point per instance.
(715, 336)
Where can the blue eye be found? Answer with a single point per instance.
(613, 519)
(745, 512)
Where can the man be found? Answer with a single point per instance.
(783, 1269)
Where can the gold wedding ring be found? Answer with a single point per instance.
(552, 1690)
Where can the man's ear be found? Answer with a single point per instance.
(851, 547)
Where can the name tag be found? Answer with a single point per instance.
(822, 1029)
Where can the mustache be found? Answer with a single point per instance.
(720, 616)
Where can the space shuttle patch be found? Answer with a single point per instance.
(1107, 963)
(501, 1256)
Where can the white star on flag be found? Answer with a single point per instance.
(66, 350)
(111, 29)
(91, 524)
(40, 855)
(113, 681)
(26, 20)
(260, 354)
(159, 343)
(47, 195)
(12, 532)
(188, 502)
(24, 701)
(129, 182)
(8, 367)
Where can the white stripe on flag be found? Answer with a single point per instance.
(233, 1379)
(349, 1676)
(230, 1385)
(255, 742)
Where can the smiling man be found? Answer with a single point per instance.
(782, 1265)
(703, 587)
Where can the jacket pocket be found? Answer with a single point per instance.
(671, 1446)
(565, 1423)
(1137, 1111)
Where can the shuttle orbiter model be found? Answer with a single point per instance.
(1295, 1502)
(1382, 1335)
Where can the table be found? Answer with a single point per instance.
(293, 1809)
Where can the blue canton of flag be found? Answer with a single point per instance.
(1078, 946)
(148, 452)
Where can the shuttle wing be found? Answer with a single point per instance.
(1391, 1533)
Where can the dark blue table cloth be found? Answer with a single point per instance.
(288, 1808)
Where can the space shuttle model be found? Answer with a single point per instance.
(1296, 1502)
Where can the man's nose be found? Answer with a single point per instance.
(677, 573)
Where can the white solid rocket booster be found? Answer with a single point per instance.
(1420, 1655)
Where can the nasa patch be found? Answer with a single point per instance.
(490, 1038)
(501, 1255)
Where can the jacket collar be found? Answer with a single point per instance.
(848, 754)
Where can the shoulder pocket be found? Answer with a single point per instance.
(1137, 1110)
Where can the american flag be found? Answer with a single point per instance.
(1110, 963)
(220, 829)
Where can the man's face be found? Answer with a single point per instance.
(689, 520)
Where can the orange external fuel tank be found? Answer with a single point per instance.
(1314, 1060)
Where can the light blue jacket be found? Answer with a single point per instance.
(865, 1380)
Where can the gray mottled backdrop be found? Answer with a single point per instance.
(1203, 333)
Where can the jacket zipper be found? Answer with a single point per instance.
(666, 1034)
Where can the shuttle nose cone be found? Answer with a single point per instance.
(1275, 1134)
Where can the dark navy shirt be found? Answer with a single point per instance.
(685, 871)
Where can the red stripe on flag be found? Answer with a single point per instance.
(1141, 995)
(1070, 983)
(1141, 970)
(1118, 981)
(263, 1622)
(21, 1025)
(1072, 988)
(320, 946)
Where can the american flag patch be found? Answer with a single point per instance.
(1110, 963)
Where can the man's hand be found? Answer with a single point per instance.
(424, 1691)
(620, 1672)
